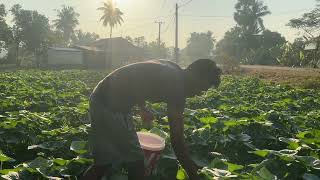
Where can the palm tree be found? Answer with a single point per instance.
(112, 15)
(249, 15)
(67, 22)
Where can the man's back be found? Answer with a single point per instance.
(133, 84)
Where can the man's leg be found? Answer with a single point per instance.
(96, 172)
(136, 170)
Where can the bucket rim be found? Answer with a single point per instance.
(155, 147)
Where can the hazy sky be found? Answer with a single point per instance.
(140, 16)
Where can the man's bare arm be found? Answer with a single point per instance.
(145, 114)
(175, 116)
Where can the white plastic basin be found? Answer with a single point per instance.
(151, 142)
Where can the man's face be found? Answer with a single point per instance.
(205, 83)
(216, 77)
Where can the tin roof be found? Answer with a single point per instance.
(65, 49)
(88, 48)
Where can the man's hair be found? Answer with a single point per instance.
(205, 68)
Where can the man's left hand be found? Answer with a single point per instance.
(147, 118)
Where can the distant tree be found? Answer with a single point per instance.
(140, 42)
(309, 23)
(154, 51)
(32, 29)
(266, 52)
(129, 39)
(292, 54)
(67, 22)
(55, 38)
(84, 38)
(112, 16)
(5, 32)
(249, 15)
(200, 45)
(269, 49)
(231, 43)
(3, 12)
(271, 39)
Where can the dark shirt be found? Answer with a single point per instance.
(155, 81)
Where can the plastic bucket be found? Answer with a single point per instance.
(152, 146)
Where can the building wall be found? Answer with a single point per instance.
(57, 57)
(94, 60)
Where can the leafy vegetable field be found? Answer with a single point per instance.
(245, 129)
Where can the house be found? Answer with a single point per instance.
(93, 58)
(97, 55)
(123, 52)
(65, 56)
(76, 56)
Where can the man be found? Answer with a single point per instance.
(113, 138)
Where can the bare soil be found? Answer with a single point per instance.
(301, 77)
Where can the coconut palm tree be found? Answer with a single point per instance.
(67, 22)
(112, 15)
(249, 15)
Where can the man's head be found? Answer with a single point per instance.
(201, 75)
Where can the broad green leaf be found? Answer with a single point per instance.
(11, 176)
(262, 153)
(200, 161)
(240, 137)
(217, 173)
(4, 158)
(292, 143)
(52, 145)
(159, 132)
(7, 171)
(60, 161)
(218, 164)
(233, 167)
(39, 162)
(308, 176)
(266, 174)
(80, 147)
(310, 161)
(208, 120)
(181, 174)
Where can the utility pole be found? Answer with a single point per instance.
(176, 49)
(159, 38)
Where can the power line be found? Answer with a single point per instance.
(205, 16)
(186, 3)
(163, 4)
(169, 24)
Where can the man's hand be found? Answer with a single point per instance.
(147, 117)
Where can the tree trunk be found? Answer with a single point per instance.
(36, 54)
(18, 63)
(110, 50)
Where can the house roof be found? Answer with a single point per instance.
(118, 44)
(87, 48)
(65, 49)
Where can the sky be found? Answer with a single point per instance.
(196, 16)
